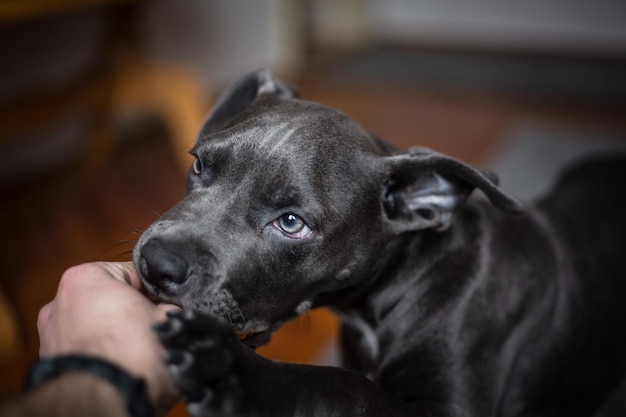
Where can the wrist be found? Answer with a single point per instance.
(96, 393)
(70, 394)
(132, 390)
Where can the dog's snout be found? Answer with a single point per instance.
(161, 266)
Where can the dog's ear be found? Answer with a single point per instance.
(424, 189)
(243, 93)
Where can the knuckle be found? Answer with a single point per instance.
(75, 276)
(42, 317)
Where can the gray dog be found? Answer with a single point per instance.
(452, 305)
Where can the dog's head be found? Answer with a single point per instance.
(289, 201)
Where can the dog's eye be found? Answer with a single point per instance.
(292, 226)
(197, 167)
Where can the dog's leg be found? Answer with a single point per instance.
(220, 376)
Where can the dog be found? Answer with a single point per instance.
(453, 303)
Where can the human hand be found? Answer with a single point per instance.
(99, 309)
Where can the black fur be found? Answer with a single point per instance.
(452, 304)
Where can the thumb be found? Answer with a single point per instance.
(125, 272)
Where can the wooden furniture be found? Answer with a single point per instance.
(124, 81)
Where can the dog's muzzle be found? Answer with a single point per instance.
(168, 267)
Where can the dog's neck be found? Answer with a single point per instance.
(420, 264)
(412, 287)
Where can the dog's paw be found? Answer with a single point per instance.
(201, 353)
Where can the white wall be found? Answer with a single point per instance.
(224, 39)
(586, 26)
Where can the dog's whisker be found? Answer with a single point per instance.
(230, 319)
(127, 242)
(243, 318)
(124, 256)
(116, 245)
(135, 230)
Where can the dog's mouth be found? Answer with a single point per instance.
(255, 340)
(250, 339)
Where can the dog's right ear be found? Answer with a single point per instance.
(243, 93)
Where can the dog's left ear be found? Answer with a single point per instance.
(425, 188)
(243, 93)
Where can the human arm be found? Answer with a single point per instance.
(100, 310)
(71, 394)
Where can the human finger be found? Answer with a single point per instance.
(43, 317)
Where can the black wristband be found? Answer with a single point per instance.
(132, 389)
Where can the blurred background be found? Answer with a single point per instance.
(101, 99)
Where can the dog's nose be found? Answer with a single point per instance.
(161, 266)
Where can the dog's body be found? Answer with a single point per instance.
(450, 307)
